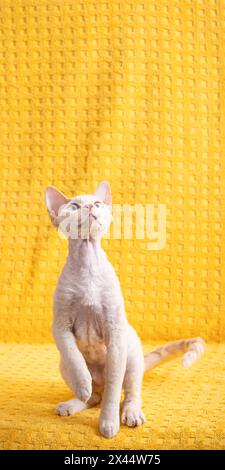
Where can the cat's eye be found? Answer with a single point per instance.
(74, 206)
(98, 204)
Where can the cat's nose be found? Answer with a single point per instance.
(88, 206)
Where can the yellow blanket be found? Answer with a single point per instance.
(130, 91)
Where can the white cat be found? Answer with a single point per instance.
(100, 351)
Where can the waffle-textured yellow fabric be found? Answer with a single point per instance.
(184, 410)
(131, 91)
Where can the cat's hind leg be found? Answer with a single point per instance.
(132, 414)
(75, 405)
(69, 407)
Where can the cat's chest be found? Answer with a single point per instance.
(87, 287)
(88, 331)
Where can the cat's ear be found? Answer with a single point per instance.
(103, 192)
(54, 199)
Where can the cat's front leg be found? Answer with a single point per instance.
(80, 379)
(116, 343)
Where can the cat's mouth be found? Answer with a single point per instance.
(96, 219)
(91, 218)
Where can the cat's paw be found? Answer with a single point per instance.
(67, 408)
(132, 415)
(109, 428)
(64, 409)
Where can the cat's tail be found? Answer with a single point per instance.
(191, 349)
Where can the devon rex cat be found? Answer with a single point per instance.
(100, 351)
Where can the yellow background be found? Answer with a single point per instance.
(131, 92)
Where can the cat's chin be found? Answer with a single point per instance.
(92, 227)
(94, 232)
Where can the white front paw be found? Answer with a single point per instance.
(69, 407)
(65, 409)
(109, 427)
(132, 415)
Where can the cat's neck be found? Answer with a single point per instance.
(83, 253)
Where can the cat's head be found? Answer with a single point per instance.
(86, 216)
